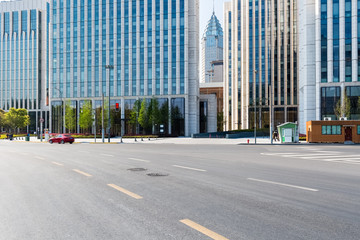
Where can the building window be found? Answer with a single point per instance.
(331, 130)
(33, 19)
(323, 40)
(358, 129)
(329, 97)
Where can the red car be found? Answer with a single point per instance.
(62, 138)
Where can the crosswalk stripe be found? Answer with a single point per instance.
(325, 157)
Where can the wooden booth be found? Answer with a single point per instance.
(333, 131)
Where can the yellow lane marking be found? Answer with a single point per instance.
(83, 173)
(59, 164)
(125, 191)
(203, 230)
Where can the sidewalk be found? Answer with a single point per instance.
(179, 140)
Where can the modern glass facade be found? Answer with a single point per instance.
(265, 35)
(227, 64)
(145, 42)
(24, 38)
(344, 36)
(330, 79)
(211, 47)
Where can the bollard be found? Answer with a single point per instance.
(135, 140)
(142, 139)
(149, 139)
(248, 141)
(121, 140)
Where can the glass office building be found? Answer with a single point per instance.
(211, 47)
(24, 60)
(333, 34)
(151, 46)
(263, 64)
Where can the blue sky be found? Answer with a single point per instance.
(206, 9)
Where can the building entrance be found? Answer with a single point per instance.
(348, 134)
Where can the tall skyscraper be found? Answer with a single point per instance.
(227, 67)
(151, 46)
(211, 47)
(331, 30)
(24, 58)
(264, 54)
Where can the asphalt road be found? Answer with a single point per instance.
(86, 191)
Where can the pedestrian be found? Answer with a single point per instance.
(273, 136)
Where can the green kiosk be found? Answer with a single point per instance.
(288, 132)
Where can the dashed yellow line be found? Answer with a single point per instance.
(59, 164)
(131, 194)
(203, 230)
(81, 172)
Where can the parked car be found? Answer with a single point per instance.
(62, 138)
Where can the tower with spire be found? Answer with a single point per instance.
(211, 47)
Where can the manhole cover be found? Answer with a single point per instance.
(137, 169)
(157, 174)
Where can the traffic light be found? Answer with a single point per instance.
(117, 107)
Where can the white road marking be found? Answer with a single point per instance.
(329, 151)
(139, 160)
(333, 156)
(107, 155)
(189, 168)
(82, 151)
(324, 157)
(283, 184)
(41, 158)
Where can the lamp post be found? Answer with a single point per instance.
(63, 112)
(270, 111)
(255, 72)
(109, 121)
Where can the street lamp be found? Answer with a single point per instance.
(109, 121)
(255, 72)
(62, 114)
(270, 111)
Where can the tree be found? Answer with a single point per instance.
(70, 117)
(86, 116)
(17, 118)
(2, 118)
(220, 121)
(164, 114)
(154, 113)
(134, 114)
(144, 115)
(343, 109)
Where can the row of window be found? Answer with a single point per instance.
(331, 130)
(336, 42)
(334, 130)
(5, 18)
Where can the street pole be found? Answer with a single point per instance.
(62, 129)
(95, 124)
(41, 129)
(255, 72)
(109, 120)
(102, 122)
(270, 111)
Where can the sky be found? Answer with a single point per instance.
(206, 9)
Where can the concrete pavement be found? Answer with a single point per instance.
(87, 191)
(179, 140)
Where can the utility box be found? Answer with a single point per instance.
(288, 132)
